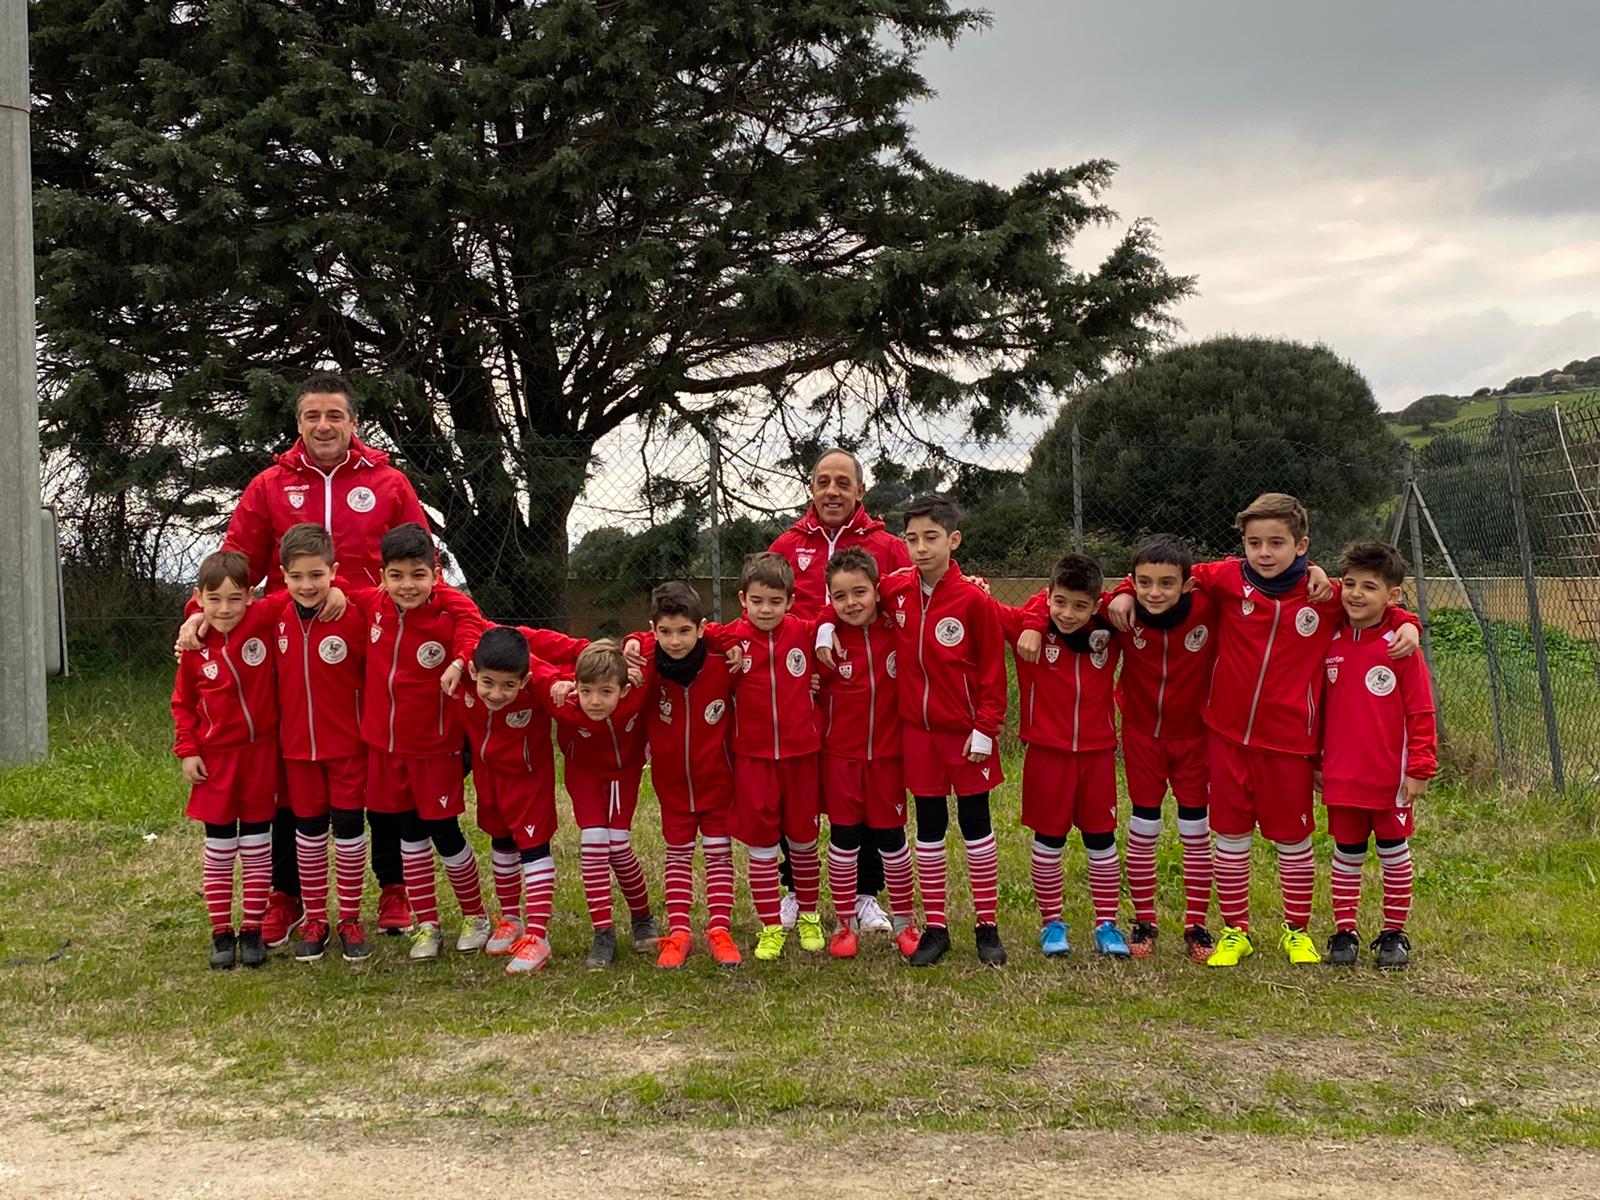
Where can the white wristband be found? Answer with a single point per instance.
(982, 743)
(825, 636)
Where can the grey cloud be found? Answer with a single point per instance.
(1565, 187)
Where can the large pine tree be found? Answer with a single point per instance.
(521, 224)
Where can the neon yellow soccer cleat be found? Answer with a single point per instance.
(1233, 945)
(809, 927)
(1297, 944)
(769, 946)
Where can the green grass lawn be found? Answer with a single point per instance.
(1492, 1039)
(1487, 406)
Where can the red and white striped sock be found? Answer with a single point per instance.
(983, 873)
(897, 877)
(539, 880)
(763, 873)
(1233, 880)
(461, 869)
(255, 878)
(311, 854)
(630, 875)
(216, 873)
(680, 886)
(1195, 837)
(932, 870)
(1143, 834)
(595, 860)
(422, 890)
(842, 883)
(718, 853)
(350, 870)
(1105, 884)
(506, 867)
(1397, 878)
(807, 868)
(1297, 877)
(1344, 882)
(1047, 881)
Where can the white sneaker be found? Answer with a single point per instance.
(870, 917)
(789, 911)
(475, 933)
(425, 941)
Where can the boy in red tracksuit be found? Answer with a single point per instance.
(413, 731)
(1261, 714)
(1069, 778)
(514, 778)
(1379, 750)
(224, 708)
(689, 699)
(863, 779)
(952, 674)
(600, 727)
(775, 743)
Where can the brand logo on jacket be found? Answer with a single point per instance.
(297, 499)
(361, 499)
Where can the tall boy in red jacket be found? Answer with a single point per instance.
(1379, 749)
(952, 668)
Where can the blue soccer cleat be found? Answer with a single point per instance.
(1109, 941)
(1053, 940)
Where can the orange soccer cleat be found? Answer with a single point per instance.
(723, 949)
(674, 949)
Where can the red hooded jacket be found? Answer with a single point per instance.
(1378, 719)
(860, 698)
(403, 711)
(808, 544)
(1066, 696)
(774, 712)
(358, 502)
(951, 659)
(225, 695)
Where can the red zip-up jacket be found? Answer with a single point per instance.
(1266, 686)
(1066, 697)
(1378, 718)
(951, 658)
(321, 671)
(402, 710)
(860, 698)
(808, 544)
(774, 712)
(609, 747)
(225, 694)
(687, 727)
(357, 502)
(517, 737)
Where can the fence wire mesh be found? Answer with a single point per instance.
(574, 536)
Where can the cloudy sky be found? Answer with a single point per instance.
(1415, 183)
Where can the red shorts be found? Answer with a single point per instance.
(314, 787)
(1259, 787)
(515, 805)
(775, 799)
(601, 800)
(679, 824)
(1348, 824)
(934, 764)
(1064, 790)
(858, 792)
(241, 784)
(1152, 763)
(432, 787)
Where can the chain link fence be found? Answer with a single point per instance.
(1500, 515)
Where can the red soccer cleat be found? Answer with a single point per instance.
(722, 948)
(282, 916)
(843, 944)
(394, 910)
(907, 940)
(675, 949)
(527, 955)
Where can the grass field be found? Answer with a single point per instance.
(1474, 410)
(1489, 1046)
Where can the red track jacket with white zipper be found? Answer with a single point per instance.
(1066, 697)
(774, 712)
(951, 659)
(860, 698)
(808, 545)
(610, 747)
(517, 737)
(225, 694)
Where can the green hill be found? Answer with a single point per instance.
(1487, 406)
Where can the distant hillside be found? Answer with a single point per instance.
(1420, 433)
(1424, 416)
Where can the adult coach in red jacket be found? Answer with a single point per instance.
(836, 520)
(331, 477)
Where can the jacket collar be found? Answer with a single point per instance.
(860, 522)
(359, 456)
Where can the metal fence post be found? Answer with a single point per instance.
(714, 482)
(1077, 491)
(1519, 514)
(1419, 572)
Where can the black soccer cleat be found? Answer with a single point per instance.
(224, 950)
(933, 945)
(645, 933)
(990, 952)
(313, 943)
(1394, 950)
(252, 950)
(1343, 947)
(602, 951)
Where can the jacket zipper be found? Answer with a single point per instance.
(244, 705)
(1161, 689)
(772, 674)
(394, 665)
(488, 730)
(688, 757)
(305, 662)
(1261, 679)
(616, 746)
(922, 631)
(1077, 695)
(872, 697)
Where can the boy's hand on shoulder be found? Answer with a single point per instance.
(194, 769)
(1414, 790)
(1120, 612)
(735, 657)
(333, 607)
(635, 675)
(1319, 588)
(1405, 642)
(451, 679)
(560, 690)
(633, 651)
(1029, 645)
(981, 582)
(189, 635)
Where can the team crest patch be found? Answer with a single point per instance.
(664, 708)
(209, 670)
(375, 633)
(891, 666)
(469, 701)
(1195, 639)
(846, 670)
(1099, 658)
(1333, 672)
(803, 560)
(361, 499)
(796, 662)
(1306, 622)
(1051, 653)
(519, 719)
(1099, 640)
(583, 733)
(1247, 606)
(297, 499)
(714, 711)
(429, 655)
(900, 618)
(283, 645)
(254, 652)
(1138, 642)
(949, 632)
(1380, 680)
(332, 650)
(632, 721)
